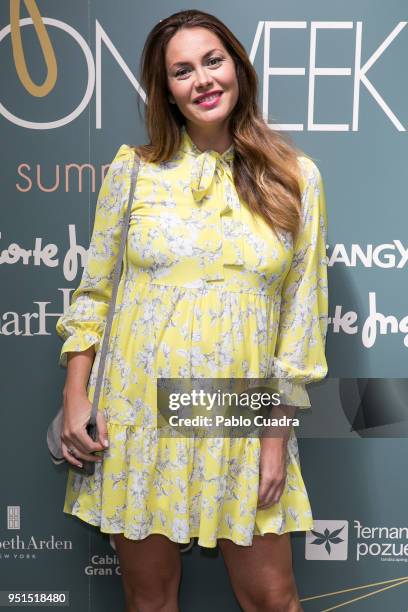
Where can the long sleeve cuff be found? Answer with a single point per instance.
(79, 337)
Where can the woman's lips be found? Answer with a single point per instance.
(210, 103)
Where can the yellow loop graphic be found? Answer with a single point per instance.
(18, 53)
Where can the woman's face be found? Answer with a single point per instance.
(197, 63)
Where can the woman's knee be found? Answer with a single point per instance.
(141, 598)
(154, 593)
(282, 599)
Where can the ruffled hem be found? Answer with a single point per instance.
(185, 487)
(203, 542)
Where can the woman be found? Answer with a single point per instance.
(225, 275)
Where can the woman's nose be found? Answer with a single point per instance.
(203, 78)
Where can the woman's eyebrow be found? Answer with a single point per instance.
(184, 63)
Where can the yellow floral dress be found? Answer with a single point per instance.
(206, 291)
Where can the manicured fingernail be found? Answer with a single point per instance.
(106, 443)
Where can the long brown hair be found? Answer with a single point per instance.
(266, 172)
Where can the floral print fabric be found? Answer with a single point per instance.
(206, 290)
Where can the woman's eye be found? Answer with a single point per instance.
(183, 71)
(215, 59)
(180, 72)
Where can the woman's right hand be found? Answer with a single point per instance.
(77, 410)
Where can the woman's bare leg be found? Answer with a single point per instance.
(151, 572)
(261, 575)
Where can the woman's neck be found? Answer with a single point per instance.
(215, 137)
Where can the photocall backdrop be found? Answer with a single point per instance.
(334, 76)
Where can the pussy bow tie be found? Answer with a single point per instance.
(210, 166)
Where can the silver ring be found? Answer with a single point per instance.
(71, 451)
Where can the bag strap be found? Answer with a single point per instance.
(115, 286)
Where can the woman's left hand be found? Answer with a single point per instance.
(272, 471)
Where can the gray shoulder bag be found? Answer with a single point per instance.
(54, 430)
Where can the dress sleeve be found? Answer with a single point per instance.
(83, 322)
(300, 348)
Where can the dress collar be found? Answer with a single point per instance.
(188, 146)
(209, 167)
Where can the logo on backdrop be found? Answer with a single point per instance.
(386, 255)
(108, 564)
(103, 565)
(20, 546)
(327, 541)
(361, 62)
(375, 323)
(13, 517)
(331, 540)
(73, 261)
